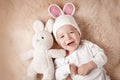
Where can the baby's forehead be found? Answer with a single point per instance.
(65, 28)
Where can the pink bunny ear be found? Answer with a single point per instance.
(55, 10)
(69, 9)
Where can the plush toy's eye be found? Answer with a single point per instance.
(42, 37)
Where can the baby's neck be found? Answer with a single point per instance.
(67, 53)
(70, 52)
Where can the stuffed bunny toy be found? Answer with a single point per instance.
(42, 53)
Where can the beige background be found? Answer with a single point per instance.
(99, 21)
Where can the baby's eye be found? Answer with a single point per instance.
(71, 32)
(61, 37)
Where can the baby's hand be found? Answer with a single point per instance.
(86, 68)
(73, 69)
(68, 78)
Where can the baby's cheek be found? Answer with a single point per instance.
(60, 42)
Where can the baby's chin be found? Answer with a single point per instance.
(72, 48)
(72, 45)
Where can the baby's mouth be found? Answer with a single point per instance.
(70, 43)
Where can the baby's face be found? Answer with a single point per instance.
(68, 38)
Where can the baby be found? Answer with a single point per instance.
(84, 60)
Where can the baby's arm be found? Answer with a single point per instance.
(98, 60)
(73, 69)
(86, 68)
(99, 57)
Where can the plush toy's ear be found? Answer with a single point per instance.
(69, 9)
(38, 26)
(49, 25)
(55, 11)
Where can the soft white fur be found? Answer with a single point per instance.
(41, 53)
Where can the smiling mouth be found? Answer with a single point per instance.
(69, 44)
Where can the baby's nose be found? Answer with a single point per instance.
(68, 37)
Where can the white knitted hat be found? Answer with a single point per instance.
(63, 17)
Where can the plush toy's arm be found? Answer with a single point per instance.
(27, 55)
(57, 53)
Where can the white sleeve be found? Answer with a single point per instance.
(62, 69)
(98, 55)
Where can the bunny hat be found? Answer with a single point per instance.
(63, 17)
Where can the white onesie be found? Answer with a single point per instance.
(85, 53)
